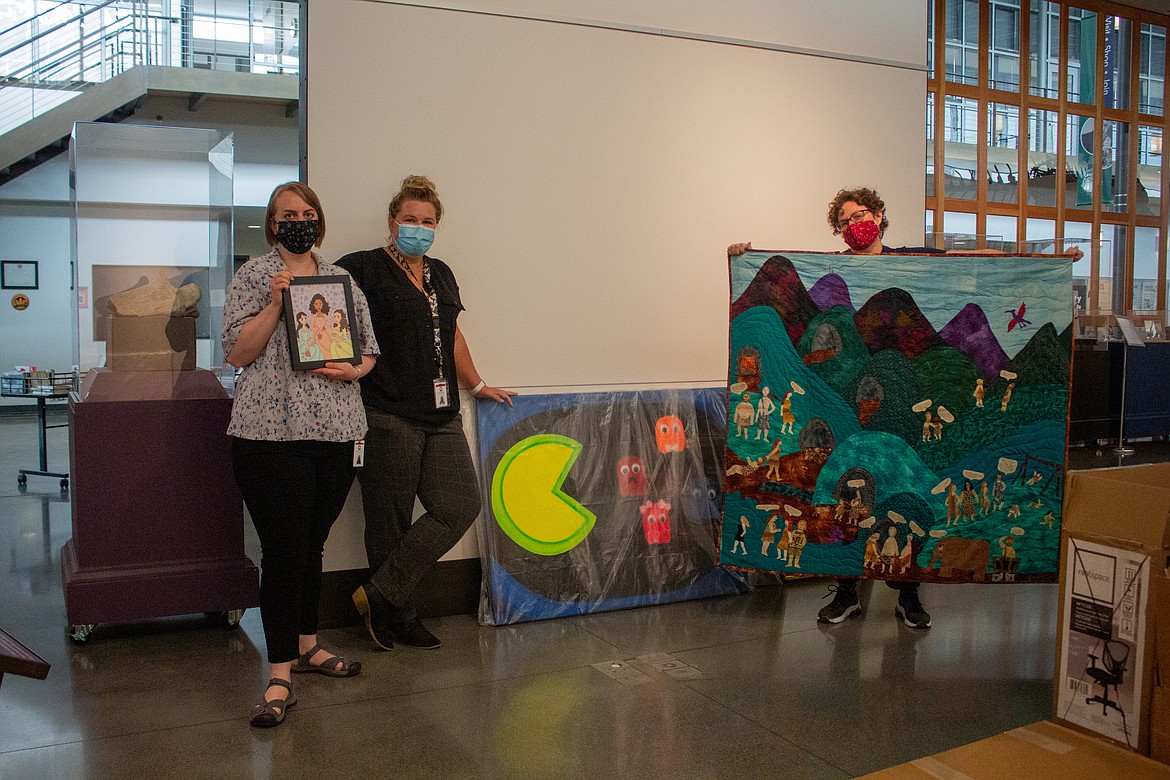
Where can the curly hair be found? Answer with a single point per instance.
(862, 196)
(418, 188)
(324, 303)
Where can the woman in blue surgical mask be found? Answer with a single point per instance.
(415, 446)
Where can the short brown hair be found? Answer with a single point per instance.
(862, 196)
(417, 188)
(305, 193)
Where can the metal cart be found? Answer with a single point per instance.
(41, 386)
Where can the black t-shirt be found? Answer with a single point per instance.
(402, 382)
(912, 250)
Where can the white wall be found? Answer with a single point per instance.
(593, 176)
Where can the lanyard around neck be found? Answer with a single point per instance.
(432, 300)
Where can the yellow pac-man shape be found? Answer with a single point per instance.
(528, 500)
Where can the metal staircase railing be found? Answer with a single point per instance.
(60, 52)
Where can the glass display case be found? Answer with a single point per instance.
(151, 245)
(157, 519)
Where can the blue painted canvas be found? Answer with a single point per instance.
(600, 501)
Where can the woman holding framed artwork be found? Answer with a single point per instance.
(296, 433)
(417, 447)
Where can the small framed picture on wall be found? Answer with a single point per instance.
(19, 275)
(318, 311)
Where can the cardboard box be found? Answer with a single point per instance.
(1041, 750)
(1114, 551)
(1160, 712)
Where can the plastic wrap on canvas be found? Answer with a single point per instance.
(600, 501)
(897, 417)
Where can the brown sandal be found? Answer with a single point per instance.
(333, 666)
(268, 713)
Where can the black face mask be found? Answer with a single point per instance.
(298, 236)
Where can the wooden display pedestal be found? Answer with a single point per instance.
(158, 524)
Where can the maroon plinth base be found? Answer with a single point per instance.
(158, 524)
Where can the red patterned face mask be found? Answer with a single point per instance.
(859, 235)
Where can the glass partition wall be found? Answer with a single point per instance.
(1045, 123)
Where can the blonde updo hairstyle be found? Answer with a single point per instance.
(418, 188)
(305, 193)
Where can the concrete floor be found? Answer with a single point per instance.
(763, 689)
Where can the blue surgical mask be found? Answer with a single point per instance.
(414, 240)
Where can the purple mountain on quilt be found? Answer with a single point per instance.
(892, 320)
(831, 290)
(778, 285)
(970, 332)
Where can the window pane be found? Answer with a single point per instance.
(1118, 62)
(1145, 268)
(1115, 167)
(1082, 55)
(958, 231)
(1081, 234)
(1113, 244)
(1044, 55)
(960, 131)
(1003, 161)
(1149, 174)
(1001, 233)
(930, 38)
(1004, 55)
(962, 41)
(1043, 140)
(929, 143)
(1152, 79)
(1078, 149)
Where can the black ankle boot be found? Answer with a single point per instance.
(409, 630)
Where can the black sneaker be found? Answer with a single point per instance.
(910, 609)
(376, 612)
(844, 603)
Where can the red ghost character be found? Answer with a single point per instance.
(656, 521)
(669, 433)
(631, 476)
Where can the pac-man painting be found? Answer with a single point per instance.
(593, 507)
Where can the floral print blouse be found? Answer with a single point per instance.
(272, 401)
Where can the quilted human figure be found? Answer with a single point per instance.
(668, 432)
(740, 535)
(763, 410)
(745, 415)
(997, 491)
(796, 542)
(787, 418)
(656, 521)
(631, 472)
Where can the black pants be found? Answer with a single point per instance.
(901, 587)
(294, 490)
(405, 460)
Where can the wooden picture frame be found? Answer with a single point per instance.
(320, 318)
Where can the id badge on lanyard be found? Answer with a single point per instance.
(442, 393)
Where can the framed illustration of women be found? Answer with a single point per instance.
(319, 315)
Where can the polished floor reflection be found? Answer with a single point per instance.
(732, 687)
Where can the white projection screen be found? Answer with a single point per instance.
(593, 176)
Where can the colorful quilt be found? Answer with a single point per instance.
(898, 417)
(600, 501)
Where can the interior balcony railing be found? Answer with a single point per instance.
(58, 53)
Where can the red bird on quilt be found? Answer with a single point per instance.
(1017, 317)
